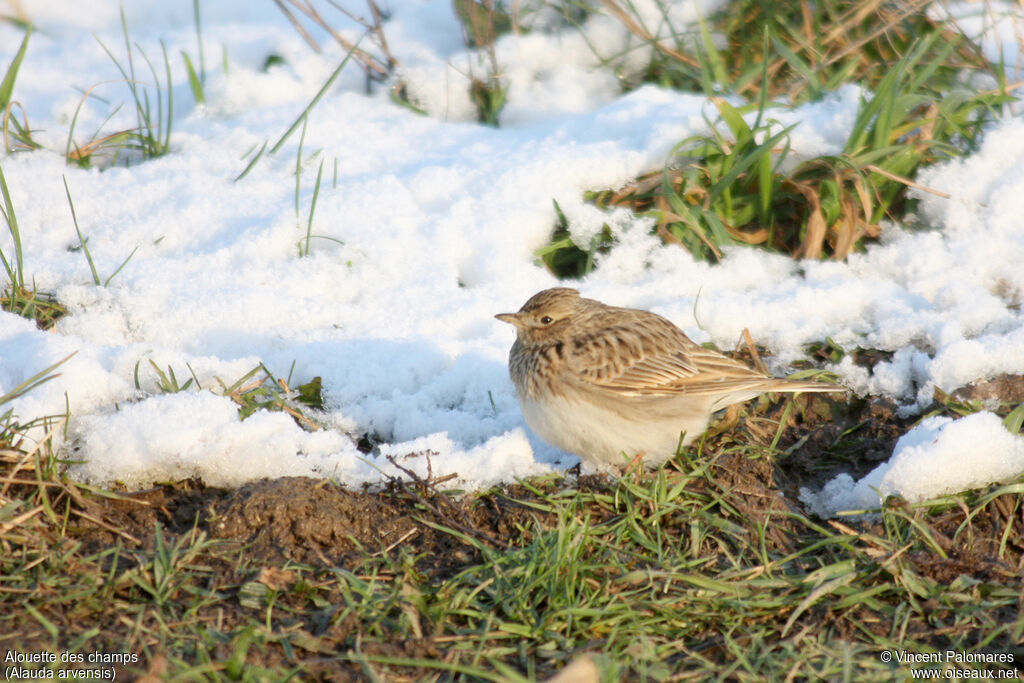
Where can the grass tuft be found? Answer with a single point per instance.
(151, 138)
(196, 79)
(741, 183)
(256, 390)
(84, 247)
(17, 296)
(17, 134)
(483, 21)
(800, 52)
(563, 257)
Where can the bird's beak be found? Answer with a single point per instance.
(510, 318)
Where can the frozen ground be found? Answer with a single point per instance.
(433, 223)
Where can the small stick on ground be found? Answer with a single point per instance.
(753, 351)
(427, 496)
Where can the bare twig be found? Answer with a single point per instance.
(616, 10)
(428, 488)
(371, 65)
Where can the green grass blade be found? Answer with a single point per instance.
(130, 75)
(732, 117)
(170, 99)
(1015, 419)
(799, 65)
(316, 98)
(312, 207)
(120, 267)
(7, 85)
(199, 43)
(252, 162)
(714, 60)
(15, 274)
(298, 165)
(193, 80)
(748, 160)
(81, 241)
(34, 381)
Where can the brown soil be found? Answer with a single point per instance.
(319, 523)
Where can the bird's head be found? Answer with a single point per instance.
(546, 315)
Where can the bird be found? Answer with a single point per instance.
(617, 385)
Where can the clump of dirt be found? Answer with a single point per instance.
(177, 507)
(308, 521)
(1003, 388)
(321, 523)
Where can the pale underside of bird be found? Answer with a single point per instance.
(612, 384)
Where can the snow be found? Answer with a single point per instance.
(424, 228)
(967, 453)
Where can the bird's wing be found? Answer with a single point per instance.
(648, 355)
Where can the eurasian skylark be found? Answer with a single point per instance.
(609, 383)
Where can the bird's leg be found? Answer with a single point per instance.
(728, 420)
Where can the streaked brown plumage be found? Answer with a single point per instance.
(609, 383)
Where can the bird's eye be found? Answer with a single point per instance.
(547, 320)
